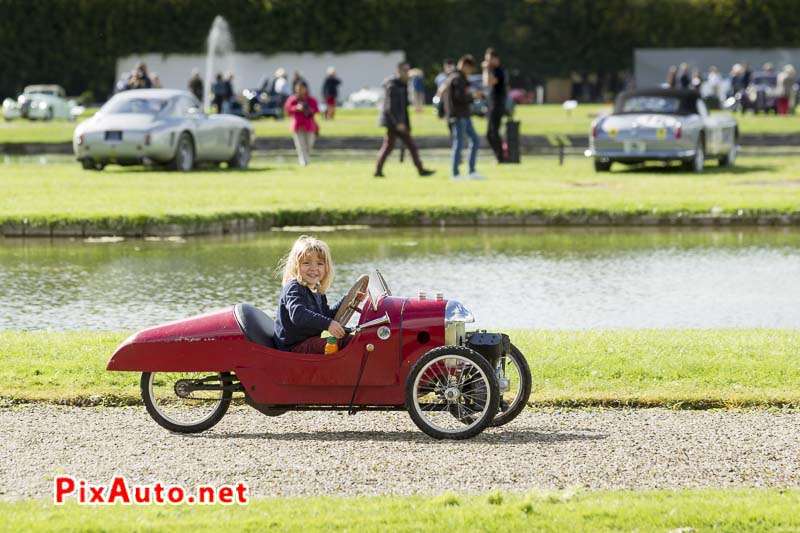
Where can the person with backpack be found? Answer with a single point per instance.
(456, 98)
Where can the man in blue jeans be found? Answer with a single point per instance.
(456, 100)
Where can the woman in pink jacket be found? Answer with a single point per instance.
(302, 107)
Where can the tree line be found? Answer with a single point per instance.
(76, 43)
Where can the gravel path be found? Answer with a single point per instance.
(375, 453)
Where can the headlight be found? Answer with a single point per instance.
(42, 105)
(456, 312)
(455, 318)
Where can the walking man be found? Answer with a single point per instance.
(394, 117)
(494, 79)
(457, 98)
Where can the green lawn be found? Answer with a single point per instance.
(346, 190)
(569, 510)
(678, 369)
(549, 119)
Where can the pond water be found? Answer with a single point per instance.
(509, 278)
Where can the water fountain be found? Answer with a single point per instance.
(219, 49)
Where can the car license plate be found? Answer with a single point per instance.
(113, 135)
(634, 147)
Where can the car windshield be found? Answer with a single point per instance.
(377, 288)
(145, 106)
(651, 104)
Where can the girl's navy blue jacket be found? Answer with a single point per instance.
(302, 313)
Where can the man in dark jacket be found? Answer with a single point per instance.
(394, 117)
(456, 97)
(494, 78)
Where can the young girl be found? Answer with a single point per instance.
(303, 311)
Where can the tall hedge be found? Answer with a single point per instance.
(76, 42)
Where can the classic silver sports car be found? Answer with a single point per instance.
(150, 126)
(662, 124)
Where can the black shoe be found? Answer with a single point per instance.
(425, 172)
(378, 174)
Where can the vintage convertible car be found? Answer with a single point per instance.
(41, 102)
(663, 125)
(152, 126)
(410, 354)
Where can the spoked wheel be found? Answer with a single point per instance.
(514, 380)
(174, 400)
(452, 393)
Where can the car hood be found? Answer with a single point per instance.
(122, 121)
(650, 120)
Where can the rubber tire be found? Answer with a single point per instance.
(729, 159)
(176, 163)
(475, 358)
(244, 140)
(503, 418)
(691, 164)
(89, 164)
(602, 166)
(195, 428)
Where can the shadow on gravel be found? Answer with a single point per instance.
(494, 436)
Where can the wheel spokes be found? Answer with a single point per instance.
(452, 393)
(167, 394)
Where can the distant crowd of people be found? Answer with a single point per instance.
(457, 95)
(713, 84)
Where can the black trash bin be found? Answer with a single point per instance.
(512, 141)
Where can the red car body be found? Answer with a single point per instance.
(215, 342)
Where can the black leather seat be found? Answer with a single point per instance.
(255, 324)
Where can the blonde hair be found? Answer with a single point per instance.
(303, 246)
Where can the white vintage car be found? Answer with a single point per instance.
(161, 126)
(41, 102)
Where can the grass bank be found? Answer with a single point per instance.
(129, 200)
(549, 119)
(569, 510)
(638, 368)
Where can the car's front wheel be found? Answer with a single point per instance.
(184, 154)
(452, 393)
(514, 380)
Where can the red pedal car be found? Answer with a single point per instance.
(406, 353)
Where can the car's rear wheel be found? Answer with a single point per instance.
(696, 163)
(172, 399)
(184, 154)
(452, 393)
(241, 156)
(91, 164)
(728, 159)
(602, 165)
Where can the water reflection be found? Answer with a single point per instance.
(509, 278)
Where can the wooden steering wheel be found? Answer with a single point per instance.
(351, 301)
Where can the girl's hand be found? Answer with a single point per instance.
(336, 330)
